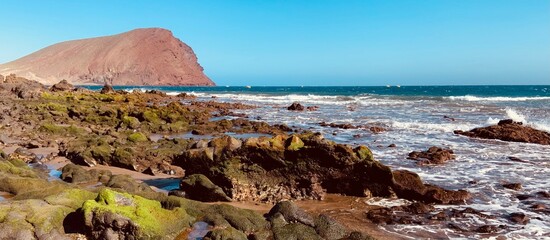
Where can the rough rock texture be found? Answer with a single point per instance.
(408, 185)
(150, 56)
(21, 87)
(199, 187)
(508, 130)
(63, 85)
(302, 167)
(114, 215)
(295, 106)
(76, 174)
(421, 214)
(434, 155)
(290, 222)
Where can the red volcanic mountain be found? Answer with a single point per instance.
(149, 56)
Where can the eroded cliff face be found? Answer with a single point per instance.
(149, 56)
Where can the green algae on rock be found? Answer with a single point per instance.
(124, 215)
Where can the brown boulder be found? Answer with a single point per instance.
(62, 86)
(408, 185)
(513, 186)
(434, 155)
(508, 130)
(21, 87)
(296, 107)
(107, 89)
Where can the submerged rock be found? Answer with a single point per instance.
(513, 186)
(508, 130)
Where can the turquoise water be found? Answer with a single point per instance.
(426, 91)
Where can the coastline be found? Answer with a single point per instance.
(222, 151)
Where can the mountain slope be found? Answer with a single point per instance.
(149, 56)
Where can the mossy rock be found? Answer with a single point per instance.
(132, 216)
(244, 220)
(131, 122)
(228, 233)
(294, 143)
(17, 167)
(278, 142)
(72, 198)
(18, 185)
(295, 231)
(150, 116)
(60, 130)
(364, 153)
(123, 157)
(31, 219)
(199, 187)
(137, 137)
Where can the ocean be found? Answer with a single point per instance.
(416, 118)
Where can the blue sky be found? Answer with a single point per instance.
(429, 42)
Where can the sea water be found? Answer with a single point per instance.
(415, 118)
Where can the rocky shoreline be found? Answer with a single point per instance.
(275, 165)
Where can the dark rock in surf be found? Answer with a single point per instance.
(513, 186)
(508, 130)
(296, 107)
(434, 155)
(519, 218)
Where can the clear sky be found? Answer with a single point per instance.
(314, 42)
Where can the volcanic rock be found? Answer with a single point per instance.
(107, 89)
(434, 155)
(513, 186)
(21, 87)
(508, 130)
(149, 56)
(61, 86)
(303, 166)
(519, 217)
(199, 187)
(295, 106)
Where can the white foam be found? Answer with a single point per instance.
(516, 116)
(470, 98)
(542, 124)
(442, 127)
(287, 99)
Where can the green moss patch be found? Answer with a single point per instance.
(152, 220)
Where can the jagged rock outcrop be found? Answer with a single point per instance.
(21, 87)
(149, 56)
(302, 166)
(508, 130)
